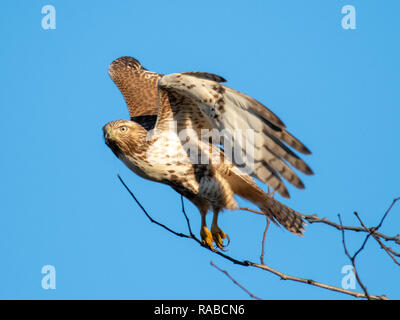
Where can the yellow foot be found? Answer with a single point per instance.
(206, 237)
(218, 235)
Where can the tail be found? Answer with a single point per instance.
(245, 187)
(278, 212)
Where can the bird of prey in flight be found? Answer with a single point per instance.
(152, 145)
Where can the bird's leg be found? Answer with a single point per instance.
(217, 234)
(206, 237)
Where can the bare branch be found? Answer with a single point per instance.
(353, 259)
(252, 210)
(235, 282)
(372, 233)
(272, 195)
(387, 212)
(315, 283)
(263, 240)
(315, 219)
(148, 216)
(246, 263)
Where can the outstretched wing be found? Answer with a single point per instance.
(139, 88)
(200, 101)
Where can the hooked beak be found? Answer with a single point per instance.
(108, 134)
(109, 137)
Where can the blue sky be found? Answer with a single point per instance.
(62, 204)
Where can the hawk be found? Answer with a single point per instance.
(151, 144)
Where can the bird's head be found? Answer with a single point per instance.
(124, 136)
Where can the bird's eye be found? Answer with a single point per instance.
(123, 129)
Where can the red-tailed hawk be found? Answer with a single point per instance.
(152, 145)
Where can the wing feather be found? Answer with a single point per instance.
(205, 75)
(137, 85)
(199, 100)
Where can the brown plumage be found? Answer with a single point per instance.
(195, 167)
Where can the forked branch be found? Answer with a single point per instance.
(311, 219)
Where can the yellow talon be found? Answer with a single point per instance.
(218, 235)
(206, 237)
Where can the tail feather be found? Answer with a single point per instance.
(278, 212)
(245, 187)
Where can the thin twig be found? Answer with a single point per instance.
(372, 231)
(263, 241)
(272, 195)
(353, 259)
(148, 216)
(311, 282)
(186, 217)
(235, 282)
(313, 218)
(251, 210)
(192, 236)
(387, 212)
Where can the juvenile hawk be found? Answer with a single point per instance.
(150, 144)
